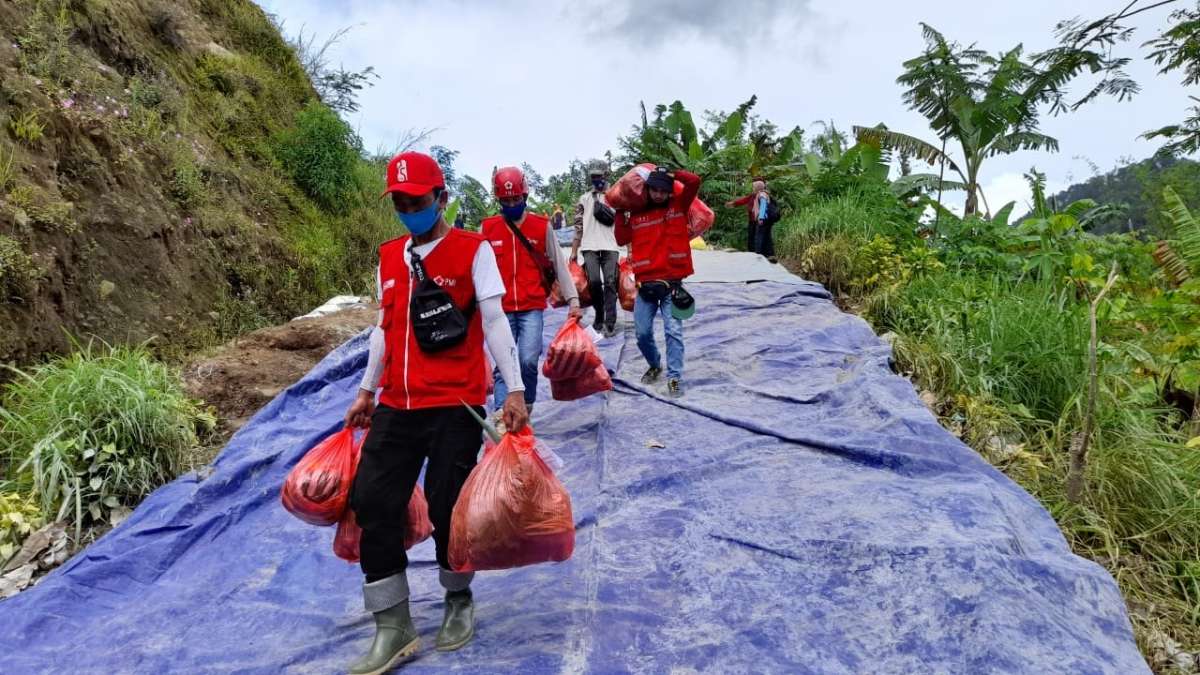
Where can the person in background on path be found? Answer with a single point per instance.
(600, 250)
(758, 234)
(662, 259)
(529, 257)
(556, 218)
(420, 415)
(460, 223)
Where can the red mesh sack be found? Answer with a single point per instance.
(626, 285)
(317, 489)
(581, 282)
(511, 512)
(417, 528)
(700, 218)
(593, 382)
(579, 278)
(629, 192)
(571, 353)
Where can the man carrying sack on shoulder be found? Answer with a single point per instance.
(662, 259)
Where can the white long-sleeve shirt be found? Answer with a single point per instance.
(489, 291)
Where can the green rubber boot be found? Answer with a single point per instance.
(395, 640)
(458, 627)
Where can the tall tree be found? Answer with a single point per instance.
(476, 200)
(987, 105)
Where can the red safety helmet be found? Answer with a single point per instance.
(508, 181)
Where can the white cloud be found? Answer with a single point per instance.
(546, 82)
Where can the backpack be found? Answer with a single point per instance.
(774, 213)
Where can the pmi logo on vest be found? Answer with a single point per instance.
(443, 281)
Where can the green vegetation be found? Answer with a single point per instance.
(321, 153)
(1135, 190)
(19, 516)
(27, 127)
(89, 433)
(990, 313)
(18, 272)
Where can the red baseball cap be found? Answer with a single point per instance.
(413, 173)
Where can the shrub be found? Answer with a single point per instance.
(321, 153)
(19, 516)
(18, 272)
(44, 43)
(43, 208)
(1020, 343)
(95, 430)
(27, 127)
(187, 183)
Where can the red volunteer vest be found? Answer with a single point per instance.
(523, 290)
(415, 379)
(661, 247)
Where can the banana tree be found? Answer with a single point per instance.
(987, 105)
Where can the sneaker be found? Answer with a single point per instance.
(674, 388)
(610, 331)
(652, 375)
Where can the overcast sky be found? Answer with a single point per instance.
(545, 82)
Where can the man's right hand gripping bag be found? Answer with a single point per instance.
(318, 488)
(511, 512)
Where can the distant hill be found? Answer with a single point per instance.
(1138, 187)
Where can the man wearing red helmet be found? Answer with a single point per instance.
(529, 258)
(662, 258)
(440, 297)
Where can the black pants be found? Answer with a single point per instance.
(601, 268)
(766, 240)
(396, 447)
(752, 236)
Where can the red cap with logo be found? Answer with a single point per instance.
(507, 182)
(413, 173)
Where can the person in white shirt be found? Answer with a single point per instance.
(596, 240)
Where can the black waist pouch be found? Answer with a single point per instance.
(437, 322)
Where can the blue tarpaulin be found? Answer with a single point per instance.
(799, 510)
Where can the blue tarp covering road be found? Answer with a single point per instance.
(807, 514)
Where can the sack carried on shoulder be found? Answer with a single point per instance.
(437, 322)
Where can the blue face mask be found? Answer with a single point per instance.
(420, 222)
(513, 213)
(598, 183)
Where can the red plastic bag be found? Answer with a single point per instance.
(317, 489)
(417, 528)
(571, 353)
(700, 218)
(511, 512)
(626, 285)
(579, 277)
(593, 382)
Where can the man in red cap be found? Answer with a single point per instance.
(529, 258)
(440, 297)
(662, 258)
